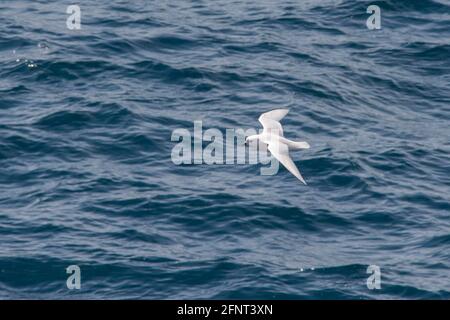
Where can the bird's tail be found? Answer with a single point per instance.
(298, 145)
(294, 144)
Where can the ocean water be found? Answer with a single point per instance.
(86, 176)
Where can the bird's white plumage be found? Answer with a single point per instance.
(278, 145)
(271, 120)
(281, 152)
(271, 126)
(276, 114)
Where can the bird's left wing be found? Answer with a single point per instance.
(281, 152)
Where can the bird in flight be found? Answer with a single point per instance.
(272, 136)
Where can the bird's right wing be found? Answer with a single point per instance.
(276, 114)
(281, 152)
(271, 121)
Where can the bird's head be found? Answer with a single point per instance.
(251, 138)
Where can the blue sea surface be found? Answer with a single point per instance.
(86, 176)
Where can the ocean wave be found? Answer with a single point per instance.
(86, 175)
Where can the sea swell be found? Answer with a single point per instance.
(86, 176)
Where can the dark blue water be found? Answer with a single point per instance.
(86, 176)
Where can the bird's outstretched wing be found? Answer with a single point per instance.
(276, 114)
(271, 121)
(281, 152)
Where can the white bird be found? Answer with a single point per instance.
(278, 145)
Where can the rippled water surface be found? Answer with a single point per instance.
(86, 176)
